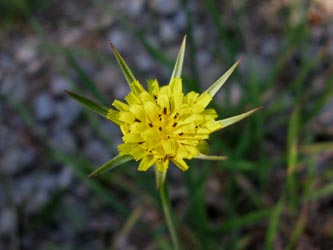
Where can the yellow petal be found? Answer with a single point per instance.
(132, 99)
(126, 117)
(153, 86)
(137, 153)
(203, 100)
(151, 110)
(126, 148)
(132, 138)
(120, 105)
(169, 147)
(113, 116)
(180, 163)
(146, 162)
(191, 97)
(137, 87)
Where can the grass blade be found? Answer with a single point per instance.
(273, 227)
(242, 221)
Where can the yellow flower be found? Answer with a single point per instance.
(162, 124)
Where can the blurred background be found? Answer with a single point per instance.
(274, 191)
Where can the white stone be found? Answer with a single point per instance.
(44, 106)
(164, 7)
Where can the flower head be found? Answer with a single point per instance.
(162, 124)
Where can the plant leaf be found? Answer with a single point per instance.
(231, 120)
(114, 162)
(177, 70)
(215, 87)
(94, 106)
(130, 78)
(211, 157)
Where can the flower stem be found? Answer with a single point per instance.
(168, 217)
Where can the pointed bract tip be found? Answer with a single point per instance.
(92, 175)
(112, 46)
(257, 109)
(67, 92)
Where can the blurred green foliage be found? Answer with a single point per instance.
(14, 12)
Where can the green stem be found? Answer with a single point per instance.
(168, 217)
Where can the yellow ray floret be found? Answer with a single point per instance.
(162, 124)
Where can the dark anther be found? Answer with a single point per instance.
(160, 128)
(140, 142)
(164, 110)
(181, 133)
(137, 120)
(174, 125)
(150, 125)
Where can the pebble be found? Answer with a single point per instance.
(269, 47)
(16, 159)
(324, 121)
(167, 31)
(203, 58)
(71, 35)
(236, 93)
(257, 66)
(65, 177)
(15, 86)
(143, 61)
(8, 221)
(24, 188)
(200, 34)
(113, 131)
(164, 7)
(26, 50)
(66, 111)
(97, 152)
(119, 39)
(58, 84)
(180, 19)
(107, 81)
(36, 200)
(133, 8)
(44, 106)
(63, 139)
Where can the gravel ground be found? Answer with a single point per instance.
(34, 73)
